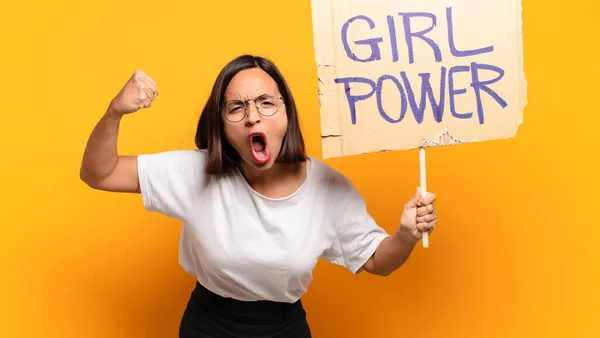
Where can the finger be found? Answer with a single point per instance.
(426, 226)
(145, 104)
(149, 94)
(423, 227)
(148, 83)
(152, 81)
(149, 79)
(427, 218)
(144, 100)
(141, 76)
(145, 78)
(418, 234)
(154, 89)
(146, 94)
(144, 81)
(426, 210)
(412, 203)
(429, 198)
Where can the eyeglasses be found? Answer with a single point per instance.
(237, 110)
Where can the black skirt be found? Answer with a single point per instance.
(208, 315)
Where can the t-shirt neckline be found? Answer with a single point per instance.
(296, 192)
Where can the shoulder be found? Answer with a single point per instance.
(338, 184)
(173, 165)
(171, 181)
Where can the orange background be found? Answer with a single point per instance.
(515, 253)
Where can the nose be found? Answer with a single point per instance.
(253, 114)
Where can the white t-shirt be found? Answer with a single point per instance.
(243, 245)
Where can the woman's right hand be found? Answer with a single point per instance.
(139, 92)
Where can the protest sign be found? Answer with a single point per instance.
(397, 75)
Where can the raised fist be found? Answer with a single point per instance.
(139, 92)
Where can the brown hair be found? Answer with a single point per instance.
(210, 134)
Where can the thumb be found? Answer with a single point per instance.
(415, 199)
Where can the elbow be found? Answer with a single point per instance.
(388, 271)
(381, 271)
(86, 177)
(385, 273)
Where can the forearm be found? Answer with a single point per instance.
(392, 253)
(101, 155)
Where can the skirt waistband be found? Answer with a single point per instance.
(255, 312)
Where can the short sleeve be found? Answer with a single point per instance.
(171, 182)
(357, 233)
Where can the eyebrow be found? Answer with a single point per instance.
(258, 97)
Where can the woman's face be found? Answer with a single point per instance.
(256, 137)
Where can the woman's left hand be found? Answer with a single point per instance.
(419, 215)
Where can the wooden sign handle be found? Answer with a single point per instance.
(423, 175)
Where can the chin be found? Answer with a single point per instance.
(260, 165)
(263, 167)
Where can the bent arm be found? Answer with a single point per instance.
(390, 255)
(102, 168)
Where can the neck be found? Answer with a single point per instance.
(274, 175)
(255, 176)
(281, 180)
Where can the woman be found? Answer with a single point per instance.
(257, 212)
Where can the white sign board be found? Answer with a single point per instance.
(404, 74)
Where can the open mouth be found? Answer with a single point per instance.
(260, 151)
